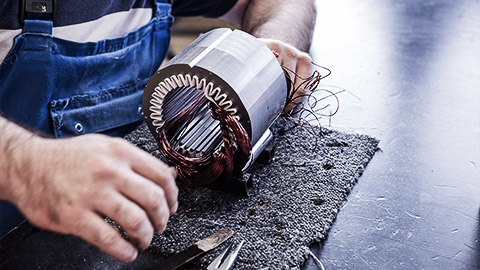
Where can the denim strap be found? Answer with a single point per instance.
(38, 26)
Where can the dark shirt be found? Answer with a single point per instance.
(70, 12)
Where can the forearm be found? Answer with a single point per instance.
(290, 21)
(14, 141)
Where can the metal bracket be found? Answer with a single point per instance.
(238, 184)
(242, 183)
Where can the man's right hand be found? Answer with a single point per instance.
(69, 185)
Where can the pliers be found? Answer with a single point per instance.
(224, 261)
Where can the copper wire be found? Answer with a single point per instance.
(203, 170)
(305, 116)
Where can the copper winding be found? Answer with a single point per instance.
(212, 165)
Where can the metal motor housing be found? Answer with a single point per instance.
(235, 70)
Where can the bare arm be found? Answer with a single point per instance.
(13, 141)
(69, 185)
(285, 26)
(290, 21)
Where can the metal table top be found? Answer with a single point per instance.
(414, 67)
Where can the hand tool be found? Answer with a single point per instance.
(224, 261)
(197, 249)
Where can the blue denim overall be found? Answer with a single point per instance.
(63, 88)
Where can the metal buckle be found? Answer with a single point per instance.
(37, 10)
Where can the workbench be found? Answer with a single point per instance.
(412, 71)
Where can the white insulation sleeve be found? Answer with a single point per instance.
(211, 92)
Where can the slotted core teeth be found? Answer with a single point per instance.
(202, 134)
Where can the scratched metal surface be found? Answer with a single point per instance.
(415, 65)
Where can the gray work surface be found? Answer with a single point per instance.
(415, 67)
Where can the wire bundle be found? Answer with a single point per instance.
(212, 165)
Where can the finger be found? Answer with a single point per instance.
(129, 216)
(287, 60)
(158, 172)
(290, 64)
(303, 70)
(298, 66)
(149, 196)
(96, 231)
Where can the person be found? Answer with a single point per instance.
(78, 68)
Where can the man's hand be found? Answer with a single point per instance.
(286, 27)
(297, 63)
(69, 185)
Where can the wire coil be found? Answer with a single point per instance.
(212, 102)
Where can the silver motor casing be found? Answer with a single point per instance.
(235, 70)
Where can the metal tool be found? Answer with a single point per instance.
(224, 261)
(187, 255)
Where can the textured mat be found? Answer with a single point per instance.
(294, 201)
